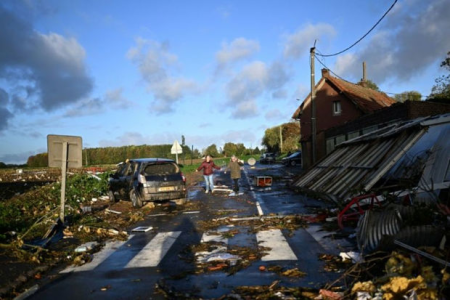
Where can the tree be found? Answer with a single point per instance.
(212, 150)
(371, 85)
(229, 149)
(442, 87)
(183, 141)
(290, 133)
(271, 139)
(240, 149)
(409, 95)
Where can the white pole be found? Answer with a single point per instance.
(63, 180)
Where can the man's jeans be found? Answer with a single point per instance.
(209, 182)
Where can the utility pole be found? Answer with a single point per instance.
(313, 105)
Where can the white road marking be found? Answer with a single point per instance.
(213, 238)
(274, 239)
(260, 211)
(252, 192)
(99, 257)
(152, 254)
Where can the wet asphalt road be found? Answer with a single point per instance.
(162, 255)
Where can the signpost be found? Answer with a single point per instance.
(176, 149)
(64, 152)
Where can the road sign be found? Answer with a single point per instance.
(176, 148)
(64, 152)
(55, 145)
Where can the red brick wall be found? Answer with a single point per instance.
(324, 111)
(325, 118)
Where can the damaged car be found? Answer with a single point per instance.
(147, 180)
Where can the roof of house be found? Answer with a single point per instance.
(366, 99)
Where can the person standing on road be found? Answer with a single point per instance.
(208, 166)
(234, 166)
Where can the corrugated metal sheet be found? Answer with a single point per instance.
(374, 226)
(356, 166)
(377, 230)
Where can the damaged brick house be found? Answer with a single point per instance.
(408, 110)
(337, 102)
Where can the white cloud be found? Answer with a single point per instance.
(239, 49)
(273, 114)
(86, 107)
(156, 64)
(253, 81)
(246, 137)
(299, 43)
(127, 138)
(115, 99)
(245, 110)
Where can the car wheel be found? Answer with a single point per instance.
(293, 163)
(111, 196)
(136, 199)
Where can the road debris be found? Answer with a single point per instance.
(142, 229)
(86, 247)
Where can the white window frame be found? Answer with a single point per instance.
(337, 109)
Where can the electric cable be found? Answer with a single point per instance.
(336, 75)
(373, 27)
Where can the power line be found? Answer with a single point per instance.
(336, 75)
(373, 27)
(331, 71)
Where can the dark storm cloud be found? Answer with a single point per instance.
(5, 114)
(41, 70)
(412, 38)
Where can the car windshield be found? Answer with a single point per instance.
(294, 155)
(161, 168)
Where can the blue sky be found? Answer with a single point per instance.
(147, 72)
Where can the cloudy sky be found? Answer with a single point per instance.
(147, 72)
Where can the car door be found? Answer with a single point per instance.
(128, 178)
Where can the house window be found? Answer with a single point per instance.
(337, 107)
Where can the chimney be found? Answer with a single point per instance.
(325, 73)
(364, 79)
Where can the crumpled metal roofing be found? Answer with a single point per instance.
(357, 165)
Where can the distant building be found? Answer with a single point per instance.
(337, 102)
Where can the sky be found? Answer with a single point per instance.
(214, 71)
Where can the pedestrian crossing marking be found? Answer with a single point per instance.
(99, 257)
(274, 239)
(153, 253)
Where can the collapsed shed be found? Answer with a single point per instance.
(412, 157)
